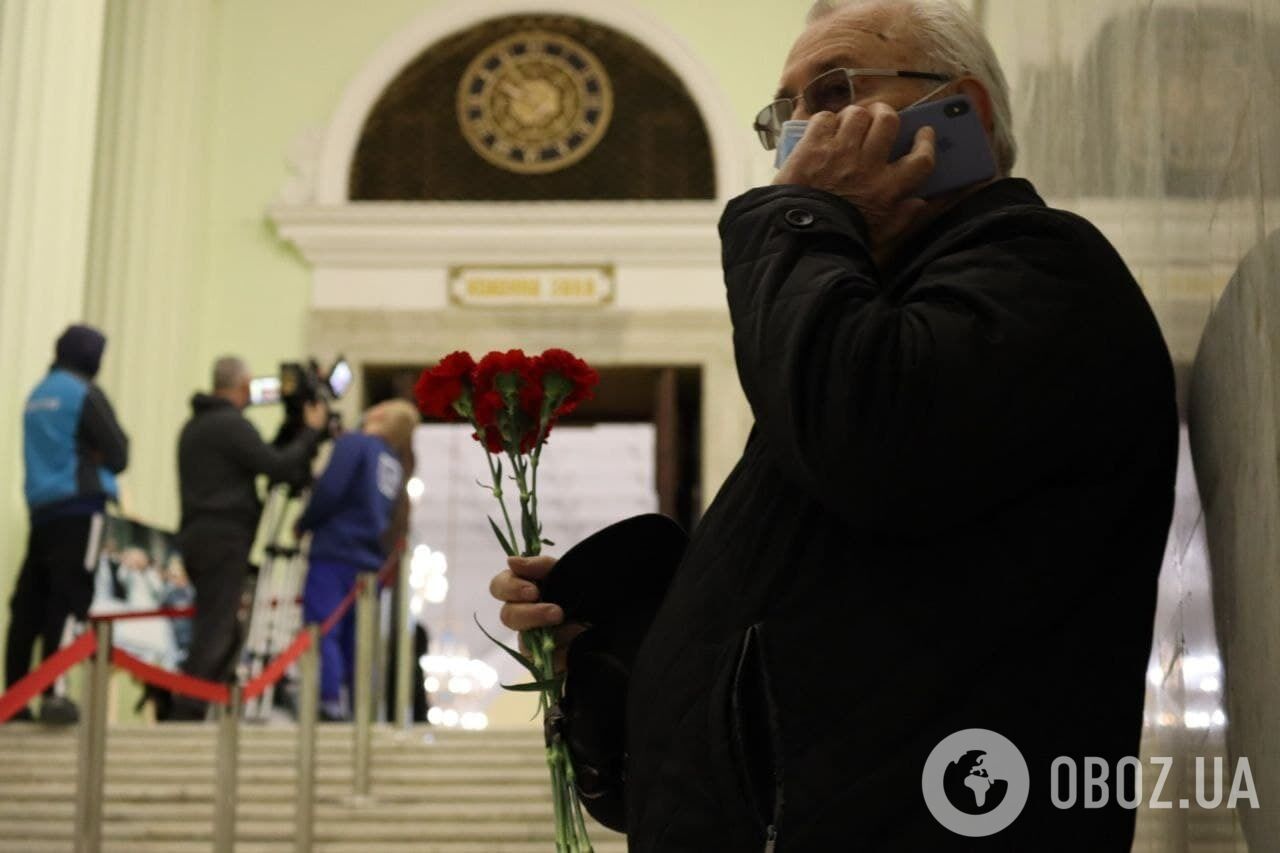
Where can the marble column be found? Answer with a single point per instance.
(145, 253)
(50, 55)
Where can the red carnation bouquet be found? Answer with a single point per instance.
(513, 401)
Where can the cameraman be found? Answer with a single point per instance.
(220, 456)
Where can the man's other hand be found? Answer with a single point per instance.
(316, 414)
(516, 587)
(847, 154)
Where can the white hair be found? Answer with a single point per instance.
(954, 42)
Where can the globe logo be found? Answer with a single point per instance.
(975, 782)
(969, 785)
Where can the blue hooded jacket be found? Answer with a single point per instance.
(72, 444)
(351, 502)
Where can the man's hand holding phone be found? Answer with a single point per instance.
(847, 154)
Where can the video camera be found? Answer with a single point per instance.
(297, 384)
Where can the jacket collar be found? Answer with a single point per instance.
(202, 403)
(1006, 192)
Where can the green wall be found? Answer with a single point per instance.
(275, 72)
(280, 68)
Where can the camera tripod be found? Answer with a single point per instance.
(277, 610)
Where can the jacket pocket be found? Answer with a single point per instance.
(754, 736)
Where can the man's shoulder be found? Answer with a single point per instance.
(354, 442)
(223, 422)
(1049, 241)
(1013, 207)
(59, 381)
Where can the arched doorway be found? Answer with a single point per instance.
(393, 235)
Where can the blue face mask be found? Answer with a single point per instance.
(793, 129)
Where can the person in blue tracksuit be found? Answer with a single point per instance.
(72, 449)
(349, 510)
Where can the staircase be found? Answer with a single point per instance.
(433, 791)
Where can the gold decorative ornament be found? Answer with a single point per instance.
(534, 102)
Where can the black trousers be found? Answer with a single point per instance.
(56, 582)
(216, 557)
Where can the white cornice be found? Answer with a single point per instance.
(407, 235)
(1156, 232)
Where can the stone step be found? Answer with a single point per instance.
(203, 791)
(433, 791)
(531, 809)
(250, 757)
(194, 732)
(286, 774)
(325, 846)
(280, 829)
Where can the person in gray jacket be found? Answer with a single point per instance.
(220, 456)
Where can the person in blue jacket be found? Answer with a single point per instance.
(350, 508)
(72, 449)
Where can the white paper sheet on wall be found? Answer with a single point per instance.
(589, 477)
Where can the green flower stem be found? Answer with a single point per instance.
(495, 471)
(575, 805)
(571, 830)
(541, 647)
(528, 513)
(564, 827)
(533, 485)
(558, 803)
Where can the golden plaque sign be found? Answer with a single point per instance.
(534, 102)
(501, 286)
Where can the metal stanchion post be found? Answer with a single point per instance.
(226, 792)
(85, 757)
(405, 665)
(378, 699)
(366, 628)
(93, 745)
(308, 710)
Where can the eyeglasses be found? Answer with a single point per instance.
(830, 91)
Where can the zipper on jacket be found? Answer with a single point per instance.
(753, 643)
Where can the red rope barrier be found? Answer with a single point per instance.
(341, 610)
(34, 683)
(21, 693)
(167, 613)
(274, 671)
(174, 682)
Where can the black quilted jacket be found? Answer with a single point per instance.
(950, 514)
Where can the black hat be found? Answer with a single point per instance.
(614, 581)
(80, 349)
(619, 570)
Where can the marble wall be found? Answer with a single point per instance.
(1235, 413)
(1158, 120)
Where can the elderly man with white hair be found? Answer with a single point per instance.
(950, 514)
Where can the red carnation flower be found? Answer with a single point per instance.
(487, 405)
(439, 388)
(498, 375)
(567, 379)
(496, 363)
